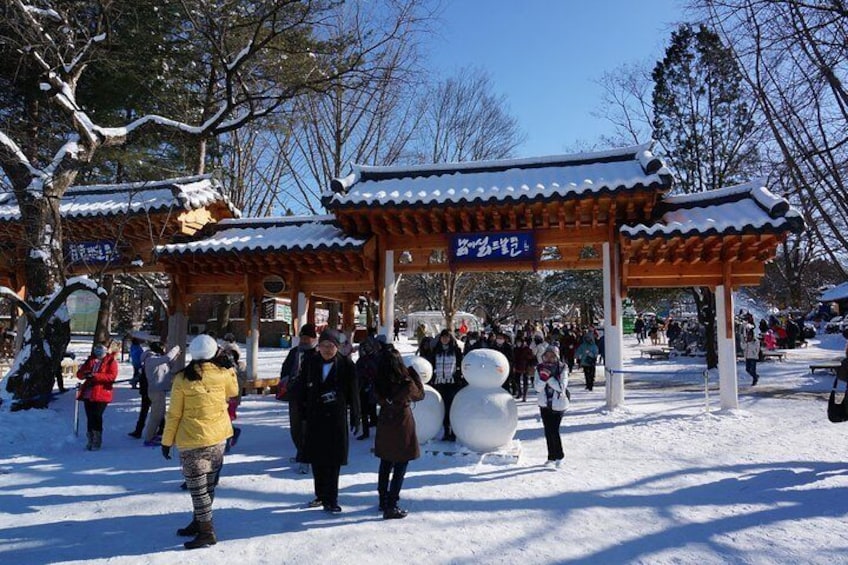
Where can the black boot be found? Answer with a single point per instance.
(394, 513)
(205, 536)
(96, 440)
(191, 530)
(364, 435)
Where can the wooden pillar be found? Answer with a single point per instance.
(253, 315)
(728, 385)
(20, 323)
(333, 314)
(387, 301)
(177, 318)
(613, 335)
(300, 309)
(349, 313)
(310, 309)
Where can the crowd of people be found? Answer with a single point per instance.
(330, 398)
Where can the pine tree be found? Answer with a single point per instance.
(705, 127)
(702, 118)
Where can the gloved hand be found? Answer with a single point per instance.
(166, 451)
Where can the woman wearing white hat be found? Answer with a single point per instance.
(199, 425)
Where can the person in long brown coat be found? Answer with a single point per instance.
(396, 443)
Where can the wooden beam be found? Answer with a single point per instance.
(706, 280)
(726, 279)
(698, 270)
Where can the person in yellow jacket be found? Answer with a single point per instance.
(198, 423)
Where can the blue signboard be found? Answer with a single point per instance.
(494, 247)
(91, 252)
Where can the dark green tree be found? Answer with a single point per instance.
(702, 117)
(705, 127)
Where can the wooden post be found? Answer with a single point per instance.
(300, 308)
(348, 314)
(728, 385)
(310, 309)
(177, 319)
(613, 335)
(253, 314)
(387, 304)
(20, 319)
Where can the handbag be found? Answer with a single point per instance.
(837, 411)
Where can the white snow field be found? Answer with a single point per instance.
(659, 480)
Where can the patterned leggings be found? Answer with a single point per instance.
(201, 469)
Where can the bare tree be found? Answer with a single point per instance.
(792, 55)
(365, 118)
(259, 59)
(464, 121)
(626, 103)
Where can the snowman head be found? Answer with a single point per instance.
(485, 368)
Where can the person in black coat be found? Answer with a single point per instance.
(330, 386)
(290, 384)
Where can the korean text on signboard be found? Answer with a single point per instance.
(509, 246)
(91, 252)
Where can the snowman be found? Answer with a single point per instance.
(484, 416)
(430, 412)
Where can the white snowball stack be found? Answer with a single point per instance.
(429, 413)
(484, 416)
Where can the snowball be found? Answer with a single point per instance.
(429, 414)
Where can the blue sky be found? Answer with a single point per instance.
(545, 56)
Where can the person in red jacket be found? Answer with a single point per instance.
(98, 373)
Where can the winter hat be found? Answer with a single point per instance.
(552, 349)
(308, 330)
(445, 332)
(331, 336)
(203, 348)
(99, 351)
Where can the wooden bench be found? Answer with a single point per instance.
(262, 386)
(831, 366)
(770, 355)
(656, 353)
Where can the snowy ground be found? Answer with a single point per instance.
(658, 481)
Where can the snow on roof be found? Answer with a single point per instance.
(538, 178)
(187, 193)
(839, 292)
(748, 208)
(296, 233)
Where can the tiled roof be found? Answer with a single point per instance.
(839, 292)
(532, 179)
(295, 233)
(186, 193)
(745, 208)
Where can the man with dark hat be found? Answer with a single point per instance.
(289, 382)
(328, 388)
